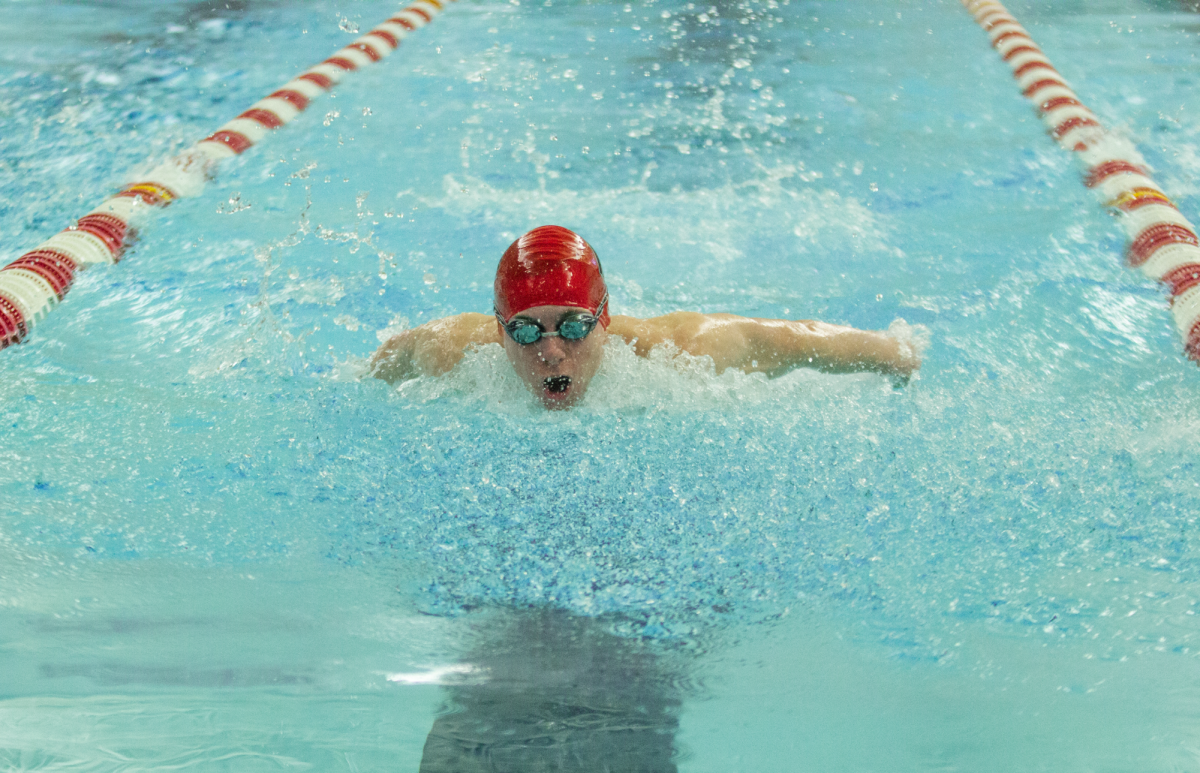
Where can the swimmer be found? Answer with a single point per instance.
(552, 318)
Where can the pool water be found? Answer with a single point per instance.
(222, 548)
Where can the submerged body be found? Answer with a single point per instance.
(561, 694)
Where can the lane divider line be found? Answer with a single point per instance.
(38, 280)
(1162, 242)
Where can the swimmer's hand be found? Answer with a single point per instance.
(773, 346)
(911, 364)
(431, 349)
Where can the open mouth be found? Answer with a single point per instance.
(557, 384)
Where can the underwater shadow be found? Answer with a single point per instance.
(551, 691)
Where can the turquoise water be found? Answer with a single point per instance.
(220, 548)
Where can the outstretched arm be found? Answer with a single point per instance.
(433, 348)
(771, 346)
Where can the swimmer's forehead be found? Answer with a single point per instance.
(544, 314)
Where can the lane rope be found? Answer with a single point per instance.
(37, 281)
(1162, 243)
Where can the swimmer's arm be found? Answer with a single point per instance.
(431, 349)
(772, 346)
(775, 347)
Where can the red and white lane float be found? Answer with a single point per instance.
(35, 282)
(1162, 243)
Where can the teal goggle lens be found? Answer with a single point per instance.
(573, 328)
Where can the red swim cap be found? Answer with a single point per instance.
(550, 266)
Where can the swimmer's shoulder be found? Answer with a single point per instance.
(645, 334)
(441, 343)
(462, 330)
(433, 348)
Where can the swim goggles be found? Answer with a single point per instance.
(573, 327)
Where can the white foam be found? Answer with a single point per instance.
(818, 218)
(666, 380)
(914, 339)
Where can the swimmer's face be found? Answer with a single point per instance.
(556, 369)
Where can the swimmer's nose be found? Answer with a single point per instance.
(552, 350)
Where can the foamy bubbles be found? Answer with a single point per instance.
(914, 339)
(666, 380)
